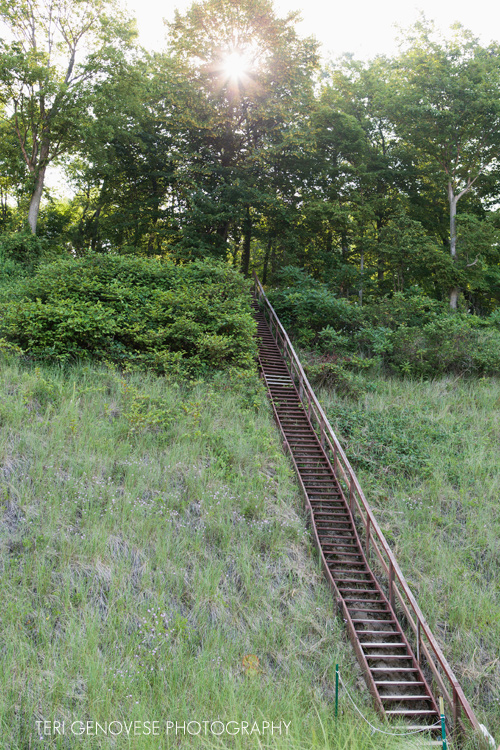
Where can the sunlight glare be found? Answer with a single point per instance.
(235, 66)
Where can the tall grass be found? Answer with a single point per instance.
(156, 566)
(427, 455)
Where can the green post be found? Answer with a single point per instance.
(336, 690)
(443, 725)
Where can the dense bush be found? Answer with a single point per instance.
(452, 343)
(134, 312)
(335, 375)
(307, 307)
(9, 270)
(408, 333)
(22, 247)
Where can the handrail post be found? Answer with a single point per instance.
(456, 711)
(391, 583)
(322, 433)
(351, 495)
(368, 538)
(418, 641)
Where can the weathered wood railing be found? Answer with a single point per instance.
(426, 644)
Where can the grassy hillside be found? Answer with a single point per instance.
(427, 455)
(156, 566)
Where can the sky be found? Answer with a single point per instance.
(363, 27)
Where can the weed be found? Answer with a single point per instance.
(426, 454)
(152, 538)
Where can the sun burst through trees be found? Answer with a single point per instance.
(236, 66)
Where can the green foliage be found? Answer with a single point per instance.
(10, 271)
(393, 441)
(22, 247)
(409, 333)
(313, 306)
(329, 339)
(174, 571)
(412, 308)
(454, 344)
(335, 375)
(134, 312)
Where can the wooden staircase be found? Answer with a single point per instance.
(402, 661)
(394, 677)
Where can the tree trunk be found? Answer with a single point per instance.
(266, 260)
(452, 198)
(3, 200)
(247, 239)
(361, 269)
(39, 179)
(274, 260)
(94, 238)
(36, 197)
(329, 242)
(223, 230)
(345, 252)
(380, 259)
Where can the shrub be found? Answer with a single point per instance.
(451, 343)
(334, 375)
(331, 340)
(412, 308)
(135, 312)
(408, 333)
(313, 308)
(22, 247)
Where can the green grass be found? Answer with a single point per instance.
(155, 566)
(427, 454)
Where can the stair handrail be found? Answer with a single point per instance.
(457, 700)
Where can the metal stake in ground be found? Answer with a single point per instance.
(443, 725)
(336, 690)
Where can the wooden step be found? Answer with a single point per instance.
(389, 683)
(391, 657)
(403, 698)
(413, 712)
(346, 554)
(393, 669)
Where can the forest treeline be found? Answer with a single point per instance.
(239, 143)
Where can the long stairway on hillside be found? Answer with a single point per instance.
(393, 674)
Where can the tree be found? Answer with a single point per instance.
(445, 104)
(44, 84)
(125, 175)
(12, 171)
(253, 82)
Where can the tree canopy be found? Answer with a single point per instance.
(238, 142)
(44, 85)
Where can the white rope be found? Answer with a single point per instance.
(391, 734)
